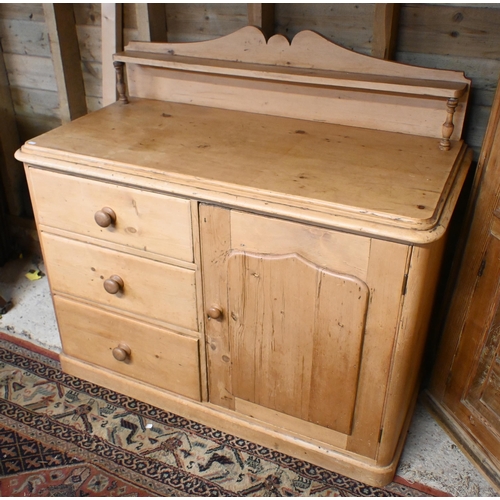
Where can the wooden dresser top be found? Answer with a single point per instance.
(389, 178)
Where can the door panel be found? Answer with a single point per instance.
(491, 394)
(481, 391)
(295, 333)
(308, 324)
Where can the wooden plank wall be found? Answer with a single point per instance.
(463, 37)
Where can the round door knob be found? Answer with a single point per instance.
(105, 217)
(214, 312)
(121, 352)
(113, 284)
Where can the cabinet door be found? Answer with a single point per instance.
(295, 334)
(289, 323)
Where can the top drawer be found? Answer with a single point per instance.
(146, 221)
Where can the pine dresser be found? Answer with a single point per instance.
(251, 237)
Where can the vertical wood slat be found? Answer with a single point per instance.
(61, 26)
(151, 22)
(11, 170)
(215, 231)
(385, 30)
(262, 16)
(112, 42)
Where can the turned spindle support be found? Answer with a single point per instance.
(120, 82)
(448, 126)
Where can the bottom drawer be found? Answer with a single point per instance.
(157, 356)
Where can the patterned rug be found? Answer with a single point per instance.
(63, 436)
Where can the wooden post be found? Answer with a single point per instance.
(11, 170)
(448, 125)
(120, 82)
(262, 16)
(385, 30)
(151, 22)
(61, 26)
(112, 42)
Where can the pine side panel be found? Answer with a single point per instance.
(386, 270)
(405, 369)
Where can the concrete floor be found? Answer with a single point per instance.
(430, 457)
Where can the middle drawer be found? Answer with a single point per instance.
(152, 289)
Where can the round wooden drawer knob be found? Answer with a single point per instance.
(105, 217)
(214, 312)
(113, 284)
(122, 352)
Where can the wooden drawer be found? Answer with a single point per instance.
(152, 289)
(157, 356)
(145, 221)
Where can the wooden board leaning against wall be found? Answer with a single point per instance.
(465, 387)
